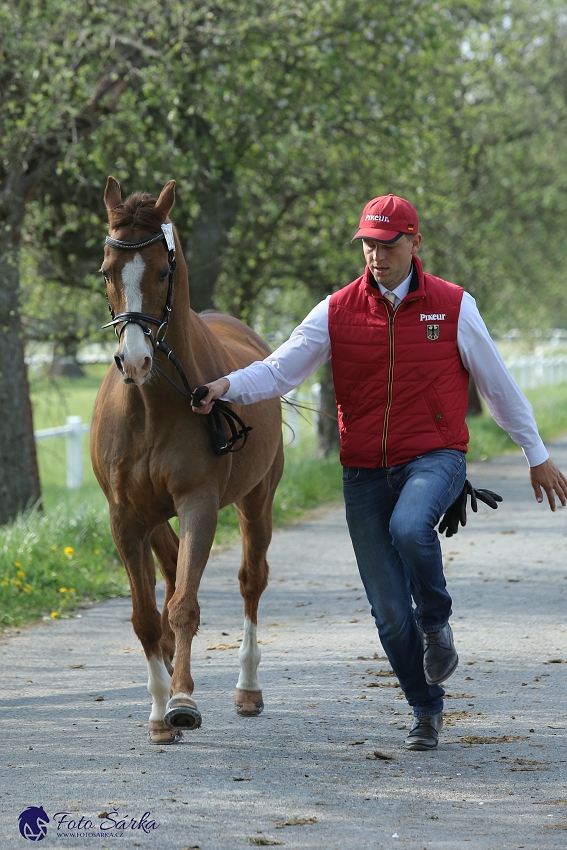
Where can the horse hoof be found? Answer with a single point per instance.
(162, 734)
(248, 703)
(182, 713)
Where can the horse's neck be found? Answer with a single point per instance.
(201, 354)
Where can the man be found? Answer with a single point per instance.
(403, 344)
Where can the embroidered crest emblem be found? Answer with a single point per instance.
(432, 331)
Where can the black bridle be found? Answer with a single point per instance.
(219, 442)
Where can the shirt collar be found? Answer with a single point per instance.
(401, 289)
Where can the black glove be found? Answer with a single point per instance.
(457, 513)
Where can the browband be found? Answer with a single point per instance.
(131, 246)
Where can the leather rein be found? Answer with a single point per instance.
(238, 430)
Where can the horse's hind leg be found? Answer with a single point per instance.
(133, 543)
(255, 518)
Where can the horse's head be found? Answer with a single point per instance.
(138, 274)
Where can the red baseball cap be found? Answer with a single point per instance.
(386, 218)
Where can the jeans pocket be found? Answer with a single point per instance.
(350, 474)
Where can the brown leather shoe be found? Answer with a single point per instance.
(440, 657)
(424, 734)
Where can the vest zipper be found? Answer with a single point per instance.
(391, 317)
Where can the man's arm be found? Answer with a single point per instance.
(307, 348)
(506, 402)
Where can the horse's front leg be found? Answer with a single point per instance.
(133, 543)
(166, 549)
(197, 525)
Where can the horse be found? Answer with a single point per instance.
(153, 456)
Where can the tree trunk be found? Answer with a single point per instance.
(19, 476)
(475, 404)
(327, 424)
(204, 248)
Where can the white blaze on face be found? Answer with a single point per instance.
(135, 345)
(249, 656)
(158, 686)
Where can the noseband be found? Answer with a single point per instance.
(219, 443)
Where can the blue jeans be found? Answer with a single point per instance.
(391, 516)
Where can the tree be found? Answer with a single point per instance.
(491, 166)
(269, 124)
(65, 65)
(278, 122)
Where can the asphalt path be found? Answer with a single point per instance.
(324, 766)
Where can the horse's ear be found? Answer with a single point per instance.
(112, 194)
(166, 200)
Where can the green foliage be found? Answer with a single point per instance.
(487, 439)
(550, 408)
(493, 163)
(278, 122)
(35, 544)
(283, 117)
(41, 576)
(50, 563)
(54, 399)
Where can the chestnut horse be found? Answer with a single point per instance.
(153, 458)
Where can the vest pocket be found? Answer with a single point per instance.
(349, 412)
(436, 410)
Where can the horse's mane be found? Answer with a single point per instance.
(138, 212)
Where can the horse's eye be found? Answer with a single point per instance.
(163, 276)
(105, 275)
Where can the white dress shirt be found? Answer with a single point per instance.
(309, 346)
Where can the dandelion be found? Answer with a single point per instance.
(17, 564)
(21, 574)
(68, 551)
(54, 614)
(97, 551)
(27, 588)
(63, 590)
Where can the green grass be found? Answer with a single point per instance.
(51, 563)
(53, 399)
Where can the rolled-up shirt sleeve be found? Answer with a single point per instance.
(289, 365)
(506, 402)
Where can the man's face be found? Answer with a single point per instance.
(390, 264)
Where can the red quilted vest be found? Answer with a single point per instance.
(400, 385)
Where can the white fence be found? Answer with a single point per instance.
(531, 371)
(73, 430)
(528, 372)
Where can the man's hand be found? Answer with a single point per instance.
(550, 477)
(216, 390)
